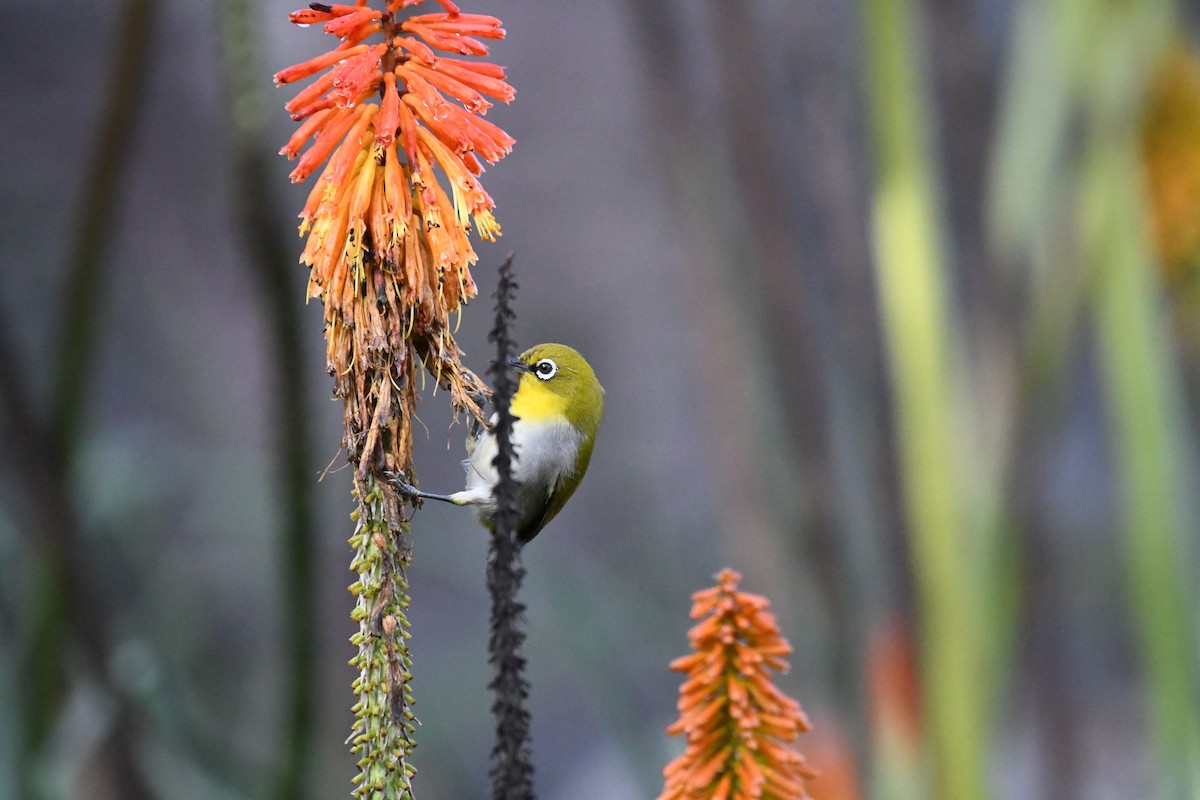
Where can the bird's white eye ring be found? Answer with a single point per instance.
(545, 369)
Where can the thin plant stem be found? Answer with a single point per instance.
(913, 296)
(1145, 408)
(512, 767)
(63, 608)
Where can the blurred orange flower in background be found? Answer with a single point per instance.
(738, 724)
(1171, 153)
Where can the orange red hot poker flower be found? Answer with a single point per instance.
(380, 116)
(738, 725)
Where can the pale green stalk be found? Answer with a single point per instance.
(1143, 390)
(383, 718)
(918, 327)
(1144, 405)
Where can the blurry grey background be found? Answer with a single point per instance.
(688, 201)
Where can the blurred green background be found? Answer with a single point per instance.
(896, 308)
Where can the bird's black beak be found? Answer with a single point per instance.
(515, 363)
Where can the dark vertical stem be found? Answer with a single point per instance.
(86, 267)
(63, 608)
(963, 81)
(715, 238)
(273, 268)
(512, 768)
(789, 330)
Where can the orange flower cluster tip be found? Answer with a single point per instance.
(386, 109)
(738, 724)
(1171, 152)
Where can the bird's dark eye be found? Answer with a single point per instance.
(545, 369)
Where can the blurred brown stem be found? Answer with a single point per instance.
(86, 271)
(64, 609)
(274, 269)
(789, 332)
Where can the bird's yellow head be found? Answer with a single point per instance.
(557, 382)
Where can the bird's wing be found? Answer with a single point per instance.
(541, 516)
(557, 495)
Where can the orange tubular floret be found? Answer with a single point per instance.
(315, 65)
(703, 776)
(424, 182)
(721, 792)
(408, 132)
(696, 684)
(315, 197)
(309, 94)
(417, 49)
(357, 75)
(378, 222)
(755, 601)
(470, 24)
(468, 197)
(485, 68)
(397, 187)
(327, 140)
(347, 24)
(341, 9)
(472, 100)
(309, 16)
(303, 134)
(472, 163)
(344, 159)
(466, 131)
(359, 193)
(685, 663)
(445, 129)
(493, 133)
(452, 43)
(389, 115)
(490, 85)
(361, 32)
(777, 647)
(420, 87)
(701, 630)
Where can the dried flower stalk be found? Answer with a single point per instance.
(389, 120)
(384, 721)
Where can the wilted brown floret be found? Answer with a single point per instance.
(739, 726)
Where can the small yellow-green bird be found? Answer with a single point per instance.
(557, 409)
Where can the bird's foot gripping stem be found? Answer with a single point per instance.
(413, 493)
(402, 486)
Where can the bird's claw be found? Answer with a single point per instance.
(404, 487)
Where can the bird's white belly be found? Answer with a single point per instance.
(544, 452)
